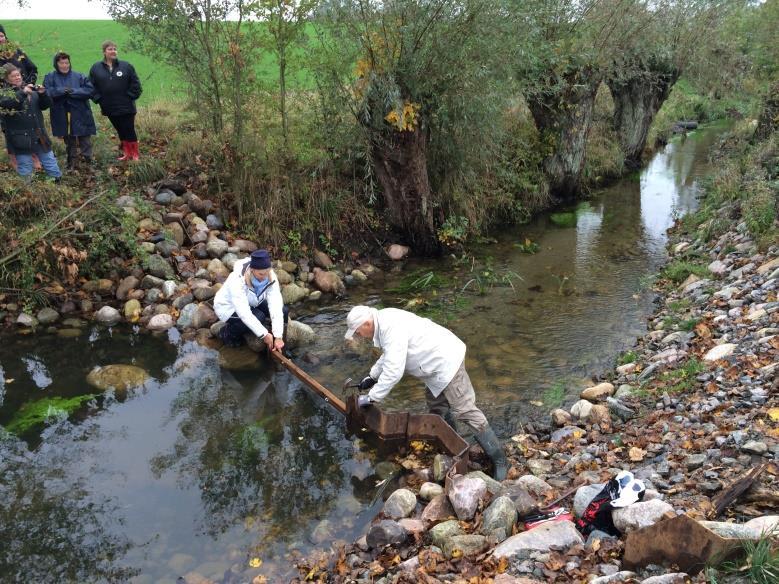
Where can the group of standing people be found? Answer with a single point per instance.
(112, 84)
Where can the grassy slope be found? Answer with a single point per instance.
(82, 39)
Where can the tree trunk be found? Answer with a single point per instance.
(636, 102)
(400, 164)
(563, 117)
(283, 95)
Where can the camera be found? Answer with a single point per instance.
(36, 87)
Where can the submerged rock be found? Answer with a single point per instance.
(238, 358)
(118, 377)
(386, 532)
(299, 334)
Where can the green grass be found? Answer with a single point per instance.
(555, 394)
(627, 357)
(678, 271)
(758, 562)
(81, 39)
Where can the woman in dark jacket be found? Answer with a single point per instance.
(71, 116)
(11, 53)
(116, 88)
(20, 110)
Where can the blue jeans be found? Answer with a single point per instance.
(48, 161)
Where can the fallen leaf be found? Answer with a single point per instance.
(636, 454)
(773, 413)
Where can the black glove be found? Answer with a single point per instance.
(68, 90)
(366, 383)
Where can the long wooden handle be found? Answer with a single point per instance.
(328, 395)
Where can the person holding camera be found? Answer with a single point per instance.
(117, 88)
(11, 53)
(71, 116)
(21, 108)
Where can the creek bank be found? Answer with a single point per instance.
(690, 410)
(187, 254)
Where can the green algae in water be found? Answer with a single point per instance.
(567, 219)
(36, 413)
(420, 281)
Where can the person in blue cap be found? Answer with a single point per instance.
(250, 301)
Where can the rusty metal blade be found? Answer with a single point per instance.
(401, 427)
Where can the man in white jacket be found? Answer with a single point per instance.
(250, 295)
(431, 353)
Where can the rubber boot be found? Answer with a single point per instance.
(126, 150)
(494, 449)
(134, 154)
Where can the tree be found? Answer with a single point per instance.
(416, 75)
(285, 22)
(641, 76)
(570, 42)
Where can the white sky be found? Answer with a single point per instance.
(54, 10)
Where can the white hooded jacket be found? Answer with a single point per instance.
(235, 297)
(413, 345)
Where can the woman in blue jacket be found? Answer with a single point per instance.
(71, 115)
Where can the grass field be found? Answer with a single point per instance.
(41, 39)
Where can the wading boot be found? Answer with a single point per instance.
(494, 449)
(126, 148)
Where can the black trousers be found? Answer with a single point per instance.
(75, 143)
(125, 127)
(234, 329)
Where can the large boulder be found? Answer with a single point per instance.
(499, 516)
(584, 495)
(557, 534)
(465, 495)
(292, 293)
(639, 515)
(108, 316)
(322, 260)
(204, 317)
(328, 282)
(48, 315)
(118, 377)
(299, 334)
(238, 358)
(125, 285)
(443, 531)
(400, 504)
(523, 501)
(467, 545)
(598, 392)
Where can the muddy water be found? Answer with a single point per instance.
(230, 474)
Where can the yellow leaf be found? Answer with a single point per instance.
(255, 562)
(773, 413)
(535, 402)
(457, 553)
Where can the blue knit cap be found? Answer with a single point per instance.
(260, 260)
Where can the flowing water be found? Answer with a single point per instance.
(230, 474)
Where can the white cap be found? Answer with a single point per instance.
(357, 316)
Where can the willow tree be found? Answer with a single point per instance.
(560, 75)
(641, 76)
(416, 76)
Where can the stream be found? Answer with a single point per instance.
(231, 474)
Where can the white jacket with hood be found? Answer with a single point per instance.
(413, 345)
(235, 297)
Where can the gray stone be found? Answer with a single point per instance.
(597, 534)
(598, 392)
(176, 232)
(169, 288)
(214, 222)
(149, 282)
(430, 490)
(26, 320)
(216, 248)
(622, 576)
(467, 544)
(217, 269)
(292, 293)
(441, 465)
(443, 531)
(153, 295)
(186, 316)
(493, 486)
(539, 466)
(125, 285)
(359, 276)
(299, 334)
(581, 409)
(562, 434)
(465, 494)
(322, 260)
(48, 315)
(164, 197)
(108, 315)
(734, 530)
(204, 317)
(245, 246)
(752, 446)
(694, 461)
(619, 409)
(584, 495)
(535, 485)
(639, 515)
(159, 267)
(229, 260)
(160, 322)
(204, 293)
(500, 514)
(437, 510)
(557, 534)
(385, 532)
(166, 248)
(400, 504)
(524, 502)
(672, 578)
(720, 352)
